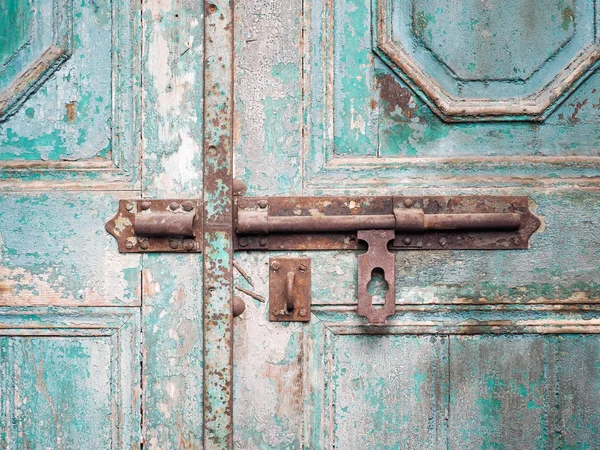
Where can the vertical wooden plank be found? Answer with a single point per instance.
(218, 253)
(268, 96)
(172, 284)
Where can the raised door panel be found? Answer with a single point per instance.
(69, 93)
(69, 378)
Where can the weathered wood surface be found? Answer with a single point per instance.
(172, 167)
(488, 349)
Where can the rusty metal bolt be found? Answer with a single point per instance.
(408, 202)
(173, 206)
(212, 8)
(239, 187)
(262, 241)
(129, 207)
(302, 312)
(238, 306)
(302, 267)
(275, 265)
(443, 241)
(145, 206)
(263, 204)
(188, 245)
(144, 245)
(188, 205)
(407, 240)
(243, 242)
(173, 244)
(129, 245)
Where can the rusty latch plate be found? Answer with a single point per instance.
(147, 226)
(289, 290)
(282, 208)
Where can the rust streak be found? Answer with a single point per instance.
(71, 111)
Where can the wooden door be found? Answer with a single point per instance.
(99, 101)
(488, 350)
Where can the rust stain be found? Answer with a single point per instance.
(395, 95)
(287, 379)
(573, 119)
(71, 111)
(4, 288)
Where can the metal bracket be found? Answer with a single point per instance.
(157, 226)
(289, 290)
(378, 225)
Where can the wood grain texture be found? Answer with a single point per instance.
(172, 168)
(69, 378)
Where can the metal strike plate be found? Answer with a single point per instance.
(147, 226)
(289, 290)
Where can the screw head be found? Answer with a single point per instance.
(262, 241)
(129, 207)
(145, 206)
(243, 242)
(407, 240)
(275, 265)
(188, 245)
(263, 204)
(173, 244)
(212, 8)
(173, 206)
(302, 312)
(144, 245)
(408, 202)
(302, 267)
(129, 245)
(443, 241)
(188, 205)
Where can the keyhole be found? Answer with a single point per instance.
(377, 286)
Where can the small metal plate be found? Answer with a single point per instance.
(122, 226)
(281, 290)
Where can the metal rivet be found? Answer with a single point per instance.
(188, 244)
(212, 8)
(188, 206)
(263, 204)
(238, 306)
(407, 240)
(275, 265)
(302, 267)
(443, 241)
(262, 241)
(129, 245)
(408, 202)
(174, 244)
(174, 206)
(243, 242)
(144, 245)
(129, 206)
(145, 205)
(302, 312)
